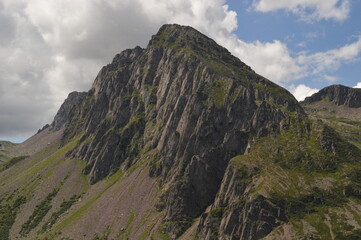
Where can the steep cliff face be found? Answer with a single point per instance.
(191, 103)
(63, 115)
(339, 95)
(237, 214)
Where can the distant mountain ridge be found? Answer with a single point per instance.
(339, 95)
(339, 107)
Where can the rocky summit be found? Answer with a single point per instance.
(339, 95)
(339, 107)
(182, 140)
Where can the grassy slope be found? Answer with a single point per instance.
(313, 193)
(337, 215)
(46, 196)
(6, 152)
(346, 121)
(33, 179)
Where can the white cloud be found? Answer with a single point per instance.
(302, 91)
(90, 29)
(307, 10)
(330, 60)
(275, 61)
(302, 44)
(270, 59)
(67, 75)
(24, 95)
(50, 48)
(358, 85)
(313, 35)
(330, 79)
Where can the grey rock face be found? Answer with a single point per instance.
(189, 102)
(235, 214)
(339, 95)
(63, 115)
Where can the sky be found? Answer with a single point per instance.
(49, 48)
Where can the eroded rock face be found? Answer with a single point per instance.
(194, 106)
(251, 220)
(339, 95)
(63, 115)
(237, 214)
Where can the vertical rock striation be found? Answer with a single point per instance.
(194, 106)
(63, 115)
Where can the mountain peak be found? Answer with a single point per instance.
(174, 33)
(189, 40)
(339, 95)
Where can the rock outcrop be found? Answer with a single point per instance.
(63, 115)
(236, 214)
(189, 101)
(339, 95)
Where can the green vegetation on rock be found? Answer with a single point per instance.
(217, 92)
(8, 213)
(13, 161)
(39, 213)
(64, 206)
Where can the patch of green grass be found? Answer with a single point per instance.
(116, 72)
(145, 234)
(46, 161)
(132, 122)
(150, 89)
(325, 99)
(159, 234)
(216, 212)
(326, 222)
(136, 95)
(7, 219)
(178, 227)
(129, 224)
(280, 108)
(317, 220)
(348, 129)
(321, 150)
(38, 214)
(104, 236)
(279, 92)
(14, 161)
(127, 230)
(52, 236)
(216, 91)
(151, 225)
(145, 220)
(8, 214)
(64, 206)
(315, 201)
